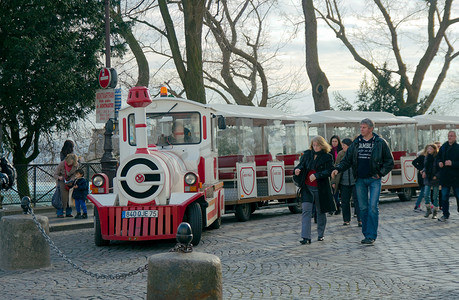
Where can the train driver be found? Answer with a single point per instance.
(180, 134)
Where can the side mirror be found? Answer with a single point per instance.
(221, 122)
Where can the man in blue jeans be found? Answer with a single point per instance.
(448, 161)
(370, 159)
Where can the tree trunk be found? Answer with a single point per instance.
(193, 11)
(318, 79)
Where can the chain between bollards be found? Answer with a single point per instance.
(96, 275)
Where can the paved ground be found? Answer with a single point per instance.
(413, 258)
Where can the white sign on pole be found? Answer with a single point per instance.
(105, 105)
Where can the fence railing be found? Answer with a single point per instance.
(42, 183)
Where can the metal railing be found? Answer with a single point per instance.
(42, 183)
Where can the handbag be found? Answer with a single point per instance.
(298, 180)
(56, 201)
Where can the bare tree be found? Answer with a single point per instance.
(437, 18)
(125, 30)
(319, 81)
(191, 73)
(236, 62)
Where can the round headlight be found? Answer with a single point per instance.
(98, 180)
(190, 179)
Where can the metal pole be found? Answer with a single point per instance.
(107, 33)
(108, 162)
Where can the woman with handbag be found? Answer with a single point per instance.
(313, 172)
(65, 173)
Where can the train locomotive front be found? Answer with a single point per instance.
(157, 186)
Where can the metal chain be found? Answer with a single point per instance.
(122, 275)
(182, 248)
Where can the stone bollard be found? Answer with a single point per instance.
(22, 246)
(177, 275)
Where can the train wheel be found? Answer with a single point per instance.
(405, 194)
(243, 212)
(295, 209)
(98, 240)
(194, 218)
(216, 224)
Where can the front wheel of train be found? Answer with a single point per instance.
(193, 216)
(98, 240)
(216, 224)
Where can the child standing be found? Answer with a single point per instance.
(80, 192)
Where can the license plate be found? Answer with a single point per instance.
(139, 214)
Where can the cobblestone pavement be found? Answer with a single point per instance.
(413, 258)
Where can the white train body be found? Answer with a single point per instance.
(167, 172)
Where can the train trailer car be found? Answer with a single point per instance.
(399, 132)
(257, 153)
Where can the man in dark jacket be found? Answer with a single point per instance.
(448, 161)
(370, 159)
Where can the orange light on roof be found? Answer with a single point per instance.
(163, 91)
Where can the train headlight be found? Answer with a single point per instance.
(98, 181)
(99, 184)
(190, 179)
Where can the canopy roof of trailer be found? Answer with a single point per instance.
(350, 118)
(253, 112)
(437, 122)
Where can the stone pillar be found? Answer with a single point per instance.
(22, 245)
(177, 275)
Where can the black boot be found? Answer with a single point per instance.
(84, 216)
(78, 216)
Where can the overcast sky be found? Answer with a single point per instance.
(344, 73)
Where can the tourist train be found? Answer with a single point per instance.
(183, 161)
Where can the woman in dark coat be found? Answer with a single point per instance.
(336, 147)
(313, 173)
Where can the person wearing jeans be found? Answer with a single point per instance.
(430, 176)
(448, 161)
(418, 163)
(370, 159)
(345, 184)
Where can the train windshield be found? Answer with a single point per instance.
(169, 129)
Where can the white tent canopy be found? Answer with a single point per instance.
(349, 118)
(253, 112)
(437, 122)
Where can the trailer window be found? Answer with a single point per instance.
(169, 129)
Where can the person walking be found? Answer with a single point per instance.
(313, 172)
(345, 183)
(418, 163)
(430, 174)
(370, 159)
(448, 161)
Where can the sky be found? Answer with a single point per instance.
(345, 74)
